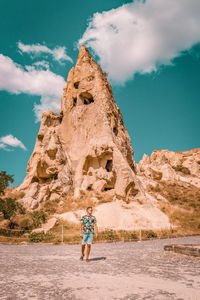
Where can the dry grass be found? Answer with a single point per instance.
(104, 199)
(70, 203)
(156, 175)
(183, 207)
(71, 234)
(12, 193)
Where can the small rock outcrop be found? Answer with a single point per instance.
(165, 165)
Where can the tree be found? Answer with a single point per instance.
(8, 207)
(4, 181)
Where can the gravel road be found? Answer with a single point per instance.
(133, 270)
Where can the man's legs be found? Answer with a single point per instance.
(84, 240)
(89, 243)
(88, 250)
(83, 249)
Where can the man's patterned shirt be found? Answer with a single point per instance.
(88, 223)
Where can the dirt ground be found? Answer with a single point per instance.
(134, 270)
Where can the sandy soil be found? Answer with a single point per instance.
(141, 270)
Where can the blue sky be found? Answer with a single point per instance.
(151, 50)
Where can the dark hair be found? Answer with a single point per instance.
(88, 207)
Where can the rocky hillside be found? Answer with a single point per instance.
(83, 156)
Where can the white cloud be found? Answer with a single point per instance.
(58, 53)
(12, 141)
(47, 103)
(141, 36)
(15, 79)
(3, 146)
(41, 64)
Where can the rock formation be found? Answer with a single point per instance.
(86, 147)
(86, 150)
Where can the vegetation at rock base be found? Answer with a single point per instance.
(12, 210)
(9, 207)
(4, 181)
(38, 217)
(37, 237)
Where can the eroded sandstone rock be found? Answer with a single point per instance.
(86, 150)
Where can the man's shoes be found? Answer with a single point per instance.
(81, 258)
(87, 260)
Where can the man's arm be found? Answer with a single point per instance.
(81, 228)
(96, 228)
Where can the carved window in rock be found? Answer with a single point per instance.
(34, 179)
(93, 163)
(74, 101)
(61, 117)
(86, 98)
(40, 137)
(115, 130)
(76, 84)
(109, 165)
(107, 188)
(104, 163)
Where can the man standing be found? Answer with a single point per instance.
(88, 222)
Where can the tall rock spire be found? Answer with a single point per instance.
(93, 133)
(85, 151)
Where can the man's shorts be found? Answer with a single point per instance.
(87, 238)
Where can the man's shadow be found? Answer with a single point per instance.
(98, 258)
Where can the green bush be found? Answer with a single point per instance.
(38, 217)
(150, 234)
(20, 208)
(8, 207)
(182, 169)
(4, 181)
(37, 237)
(50, 206)
(26, 224)
(108, 234)
(10, 233)
(134, 236)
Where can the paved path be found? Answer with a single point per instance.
(141, 270)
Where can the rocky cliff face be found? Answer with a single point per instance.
(165, 165)
(85, 151)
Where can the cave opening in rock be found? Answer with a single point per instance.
(34, 179)
(61, 118)
(74, 101)
(40, 137)
(115, 130)
(55, 176)
(49, 179)
(86, 98)
(89, 188)
(107, 189)
(76, 84)
(109, 165)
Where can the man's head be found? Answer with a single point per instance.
(89, 210)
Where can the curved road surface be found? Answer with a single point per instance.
(133, 270)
